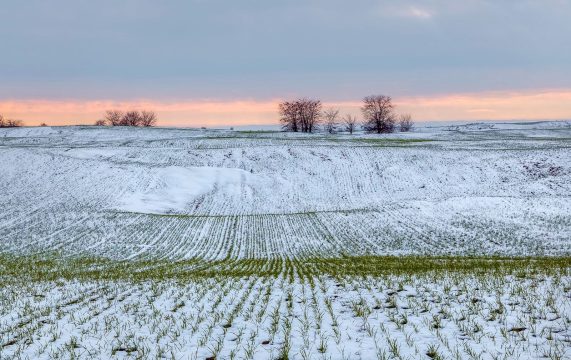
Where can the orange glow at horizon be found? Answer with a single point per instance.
(544, 104)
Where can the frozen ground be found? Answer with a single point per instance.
(182, 243)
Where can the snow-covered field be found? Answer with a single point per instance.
(249, 228)
(180, 194)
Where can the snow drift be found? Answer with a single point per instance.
(174, 188)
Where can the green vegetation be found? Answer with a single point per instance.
(379, 141)
(49, 268)
(254, 132)
(384, 306)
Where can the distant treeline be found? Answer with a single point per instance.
(9, 122)
(130, 118)
(306, 115)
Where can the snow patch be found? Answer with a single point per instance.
(175, 187)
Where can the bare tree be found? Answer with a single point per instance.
(350, 122)
(2, 121)
(300, 115)
(405, 122)
(100, 122)
(113, 117)
(330, 120)
(289, 116)
(148, 118)
(310, 114)
(43, 124)
(131, 118)
(378, 114)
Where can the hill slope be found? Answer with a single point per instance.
(181, 193)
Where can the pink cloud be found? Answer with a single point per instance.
(506, 105)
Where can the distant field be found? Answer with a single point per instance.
(449, 242)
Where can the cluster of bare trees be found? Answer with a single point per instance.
(300, 115)
(332, 122)
(9, 122)
(129, 118)
(378, 116)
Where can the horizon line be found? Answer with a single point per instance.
(530, 105)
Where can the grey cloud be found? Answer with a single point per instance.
(250, 48)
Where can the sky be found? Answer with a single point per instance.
(223, 63)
